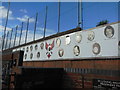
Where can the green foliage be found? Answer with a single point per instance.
(103, 22)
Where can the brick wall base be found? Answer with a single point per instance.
(80, 74)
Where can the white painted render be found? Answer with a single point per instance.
(109, 46)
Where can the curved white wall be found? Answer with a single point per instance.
(108, 46)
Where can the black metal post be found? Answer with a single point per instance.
(45, 22)
(21, 33)
(35, 26)
(59, 16)
(6, 26)
(10, 38)
(119, 11)
(80, 14)
(7, 40)
(27, 30)
(3, 46)
(15, 36)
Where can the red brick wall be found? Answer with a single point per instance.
(73, 79)
(78, 80)
(7, 57)
(100, 64)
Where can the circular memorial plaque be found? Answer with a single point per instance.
(119, 44)
(109, 31)
(91, 35)
(36, 47)
(31, 48)
(38, 55)
(76, 50)
(61, 52)
(27, 49)
(42, 45)
(58, 42)
(67, 40)
(78, 38)
(31, 56)
(96, 48)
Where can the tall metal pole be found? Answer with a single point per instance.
(35, 26)
(45, 22)
(21, 33)
(27, 30)
(59, 16)
(80, 17)
(7, 40)
(15, 36)
(6, 25)
(118, 5)
(79, 13)
(3, 46)
(10, 38)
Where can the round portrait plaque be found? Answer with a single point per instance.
(96, 48)
(67, 40)
(58, 42)
(76, 50)
(109, 31)
(91, 35)
(61, 52)
(78, 38)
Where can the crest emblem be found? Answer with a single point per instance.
(49, 48)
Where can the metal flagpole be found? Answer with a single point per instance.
(3, 46)
(35, 26)
(78, 13)
(45, 22)
(7, 40)
(80, 20)
(10, 38)
(58, 16)
(15, 36)
(82, 15)
(2, 42)
(27, 30)
(6, 25)
(21, 33)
